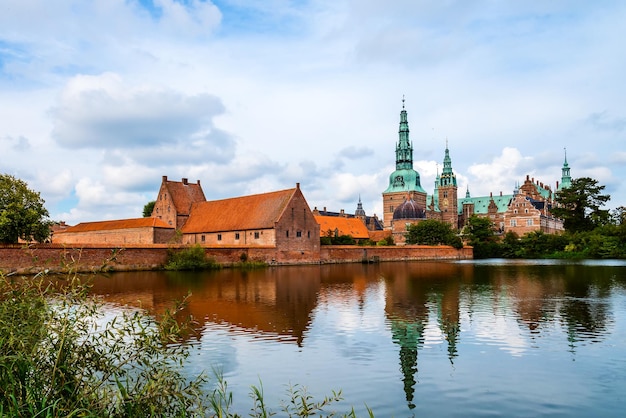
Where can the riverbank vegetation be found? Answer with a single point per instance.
(190, 258)
(65, 353)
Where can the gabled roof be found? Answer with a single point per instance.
(184, 194)
(259, 211)
(116, 224)
(345, 226)
(481, 204)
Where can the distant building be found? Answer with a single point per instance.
(405, 202)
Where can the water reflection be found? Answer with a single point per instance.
(512, 307)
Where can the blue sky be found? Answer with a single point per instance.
(100, 98)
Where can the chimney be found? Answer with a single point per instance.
(500, 192)
(185, 181)
(557, 185)
(198, 182)
(298, 186)
(164, 178)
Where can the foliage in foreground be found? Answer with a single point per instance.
(190, 258)
(60, 356)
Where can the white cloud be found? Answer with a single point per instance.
(254, 96)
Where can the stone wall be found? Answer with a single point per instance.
(59, 258)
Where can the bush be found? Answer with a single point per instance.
(59, 357)
(190, 258)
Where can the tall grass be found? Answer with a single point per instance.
(60, 356)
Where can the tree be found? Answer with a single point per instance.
(580, 205)
(432, 232)
(148, 208)
(482, 237)
(22, 212)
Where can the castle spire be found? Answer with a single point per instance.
(566, 179)
(404, 149)
(447, 175)
(359, 208)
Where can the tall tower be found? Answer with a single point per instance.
(447, 191)
(566, 179)
(404, 182)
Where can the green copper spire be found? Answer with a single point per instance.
(404, 149)
(566, 179)
(448, 178)
(404, 178)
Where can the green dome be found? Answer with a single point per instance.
(404, 180)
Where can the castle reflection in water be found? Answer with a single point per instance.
(422, 301)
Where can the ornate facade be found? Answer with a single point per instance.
(405, 202)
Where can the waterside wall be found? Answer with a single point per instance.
(87, 258)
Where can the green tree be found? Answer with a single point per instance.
(481, 236)
(580, 205)
(22, 212)
(148, 208)
(432, 232)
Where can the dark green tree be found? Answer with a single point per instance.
(481, 235)
(22, 212)
(148, 208)
(580, 205)
(432, 232)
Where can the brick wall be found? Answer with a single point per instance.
(128, 236)
(56, 258)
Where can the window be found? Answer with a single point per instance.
(256, 235)
(308, 234)
(529, 222)
(526, 211)
(219, 237)
(298, 234)
(236, 235)
(202, 238)
(287, 233)
(513, 222)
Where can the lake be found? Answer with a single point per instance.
(475, 338)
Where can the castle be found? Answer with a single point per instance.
(405, 202)
(284, 220)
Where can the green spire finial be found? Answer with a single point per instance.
(404, 149)
(566, 179)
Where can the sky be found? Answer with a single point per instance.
(101, 98)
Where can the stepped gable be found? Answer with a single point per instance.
(260, 211)
(184, 194)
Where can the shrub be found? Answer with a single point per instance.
(190, 258)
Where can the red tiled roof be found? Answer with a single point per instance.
(259, 211)
(184, 195)
(117, 224)
(346, 226)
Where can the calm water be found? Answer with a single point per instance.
(491, 338)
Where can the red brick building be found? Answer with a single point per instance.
(117, 232)
(279, 219)
(173, 203)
